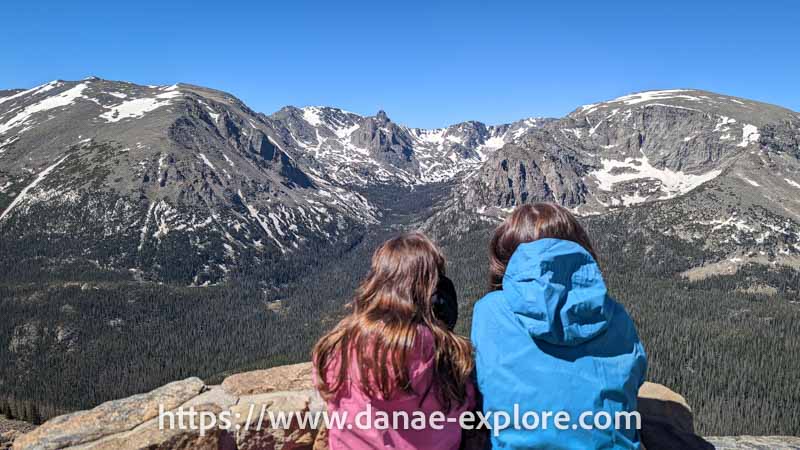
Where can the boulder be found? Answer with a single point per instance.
(254, 431)
(152, 435)
(658, 401)
(133, 423)
(755, 442)
(109, 418)
(294, 377)
(667, 421)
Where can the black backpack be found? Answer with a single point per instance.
(445, 302)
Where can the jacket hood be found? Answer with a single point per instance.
(556, 290)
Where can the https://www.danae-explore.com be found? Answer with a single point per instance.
(260, 417)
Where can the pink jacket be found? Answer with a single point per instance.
(351, 401)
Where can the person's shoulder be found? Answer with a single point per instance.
(619, 314)
(490, 300)
(488, 306)
(622, 323)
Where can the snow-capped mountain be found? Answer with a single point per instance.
(118, 200)
(164, 170)
(188, 183)
(350, 149)
(157, 170)
(717, 171)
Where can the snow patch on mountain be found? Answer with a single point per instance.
(140, 106)
(750, 135)
(723, 124)
(751, 182)
(56, 101)
(42, 175)
(36, 90)
(671, 183)
(143, 236)
(206, 161)
(647, 96)
(311, 115)
(264, 225)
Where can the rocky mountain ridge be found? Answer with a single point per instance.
(358, 150)
(715, 170)
(160, 168)
(117, 201)
(155, 168)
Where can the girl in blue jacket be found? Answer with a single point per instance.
(558, 361)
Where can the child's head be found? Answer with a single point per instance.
(390, 305)
(526, 224)
(402, 279)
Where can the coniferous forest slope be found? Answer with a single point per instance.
(152, 233)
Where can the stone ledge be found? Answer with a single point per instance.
(755, 442)
(132, 423)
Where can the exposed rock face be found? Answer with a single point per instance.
(349, 149)
(295, 377)
(133, 423)
(110, 418)
(718, 172)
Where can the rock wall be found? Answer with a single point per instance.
(132, 423)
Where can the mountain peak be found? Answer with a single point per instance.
(696, 100)
(382, 117)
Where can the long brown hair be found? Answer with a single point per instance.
(526, 224)
(380, 330)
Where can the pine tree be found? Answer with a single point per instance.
(27, 415)
(5, 407)
(36, 417)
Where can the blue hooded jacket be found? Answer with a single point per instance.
(554, 340)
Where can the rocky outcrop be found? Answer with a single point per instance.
(133, 423)
(10, 430)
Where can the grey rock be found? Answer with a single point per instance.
(755, 442)
(109, 418)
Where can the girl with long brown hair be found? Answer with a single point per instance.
(392, 353)
(549, 338)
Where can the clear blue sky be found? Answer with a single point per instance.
(426, 63)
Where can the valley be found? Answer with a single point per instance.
(151, 233)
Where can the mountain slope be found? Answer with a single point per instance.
(716, 170)
(118, 200)
(350, 149)
(163, 174)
